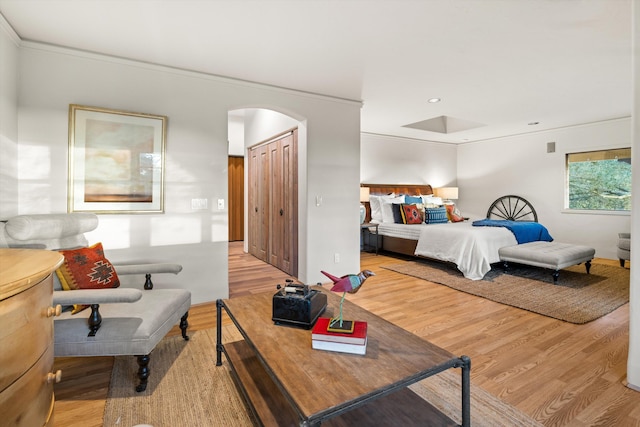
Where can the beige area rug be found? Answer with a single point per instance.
(577, 298)
(187, 389)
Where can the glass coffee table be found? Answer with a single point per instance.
(287, 383)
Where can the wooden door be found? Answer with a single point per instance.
(273, 206)
(283, 224)
(289, 223)
(252, 203)
(263, 204)
(276, 208)
(258, 214)
(236, 198)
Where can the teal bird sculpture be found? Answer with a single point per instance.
(350, 283)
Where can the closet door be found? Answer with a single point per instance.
(259, 203)
(273, 203)
(252, 203)
(276, 208)
(289, 223)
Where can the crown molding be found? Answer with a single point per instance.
(554, 129)
(8, 29)
(62, 50)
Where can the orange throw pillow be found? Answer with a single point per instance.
(454, 214)
(411, 214)
(86, 268)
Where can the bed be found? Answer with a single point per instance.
(471, 249)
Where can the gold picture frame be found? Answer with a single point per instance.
(116, 161)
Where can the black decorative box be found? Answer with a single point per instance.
(297, 305)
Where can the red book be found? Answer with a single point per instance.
(320, 333)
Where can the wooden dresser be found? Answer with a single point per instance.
(26, 336)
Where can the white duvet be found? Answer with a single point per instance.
(471, 249)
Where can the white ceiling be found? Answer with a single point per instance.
(500, 63)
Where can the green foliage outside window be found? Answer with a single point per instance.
(600, 180)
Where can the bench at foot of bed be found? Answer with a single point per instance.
(552, 255)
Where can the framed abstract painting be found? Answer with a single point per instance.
(116, 161)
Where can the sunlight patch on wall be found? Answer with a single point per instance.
(175, 230)
(219, 227)
(113, 232)
(34, 162)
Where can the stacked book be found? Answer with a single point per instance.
(353, 342)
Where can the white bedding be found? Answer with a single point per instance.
(404, 231)
(471, 249)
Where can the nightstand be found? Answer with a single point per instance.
(369, 230)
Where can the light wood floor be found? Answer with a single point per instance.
(559, 373)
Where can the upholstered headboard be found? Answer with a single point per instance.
(407, 189)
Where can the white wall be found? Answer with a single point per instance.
(520, 165)
(394, 160)
(196, 160)
(236, 133)
(261, 125)
(8, 121)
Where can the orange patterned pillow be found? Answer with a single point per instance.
(86, 268)
(454, 214)
(411, 214)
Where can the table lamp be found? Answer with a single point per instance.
(364, 197)
(448, 194)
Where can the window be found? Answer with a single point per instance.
(599, 180)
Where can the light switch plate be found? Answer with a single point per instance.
(198, 204)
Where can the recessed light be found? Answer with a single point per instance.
(434, 100)
(533, 123)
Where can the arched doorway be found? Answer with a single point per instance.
(268, 141)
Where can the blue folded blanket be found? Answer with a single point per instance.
(525, 231)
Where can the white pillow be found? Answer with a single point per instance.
(376, 212)
(387, 211)
(431, 201)
(375, 203)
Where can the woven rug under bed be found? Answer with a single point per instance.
(577, 298)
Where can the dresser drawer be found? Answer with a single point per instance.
(28, 401)
(26, 330)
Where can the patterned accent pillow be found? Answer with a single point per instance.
(453, 213)
(86, 268)
(412, 214)
(436, 215)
